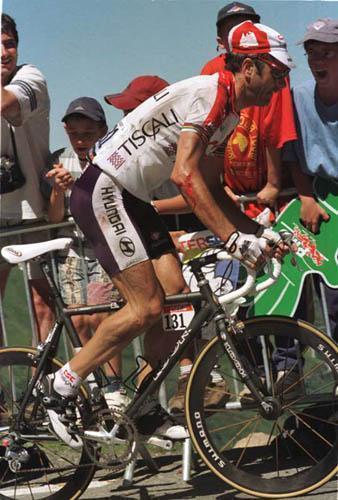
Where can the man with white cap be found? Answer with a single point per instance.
(179, 133)
(315, 152)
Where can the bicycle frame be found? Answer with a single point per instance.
(211, 309)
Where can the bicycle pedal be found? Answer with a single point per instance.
(165, 444)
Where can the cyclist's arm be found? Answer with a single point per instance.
(175, 205)
(200, 181)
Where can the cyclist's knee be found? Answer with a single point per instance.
(149, 313)
(174, 285)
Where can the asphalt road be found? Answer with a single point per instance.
(167, 484)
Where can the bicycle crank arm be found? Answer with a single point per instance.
(103, 436)
(166, 444)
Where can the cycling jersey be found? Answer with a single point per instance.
(140, 152)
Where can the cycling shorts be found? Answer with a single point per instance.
(122, 229)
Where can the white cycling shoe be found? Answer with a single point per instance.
(62, 413)
(117, 400)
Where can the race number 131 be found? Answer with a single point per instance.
(177, 317)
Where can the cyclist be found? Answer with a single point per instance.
(179, 133)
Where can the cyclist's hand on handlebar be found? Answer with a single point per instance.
(247, 248)
(272, 243)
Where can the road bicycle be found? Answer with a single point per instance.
(272, 436)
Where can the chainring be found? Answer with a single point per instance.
(114, 453)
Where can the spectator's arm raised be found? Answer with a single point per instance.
(63, 180)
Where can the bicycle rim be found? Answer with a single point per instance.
(51, 469)
(285, 456)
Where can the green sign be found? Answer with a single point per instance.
(317, 253)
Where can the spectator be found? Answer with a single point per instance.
(252, 155)
(24, 141)
(82, 279)
(315, 152)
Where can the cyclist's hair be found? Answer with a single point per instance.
(234, 62)
(8, 26)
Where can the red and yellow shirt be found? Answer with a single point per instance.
(245, 162)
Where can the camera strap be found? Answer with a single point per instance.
(15, 153)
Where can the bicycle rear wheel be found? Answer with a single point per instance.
(50, 468)
(292, 452)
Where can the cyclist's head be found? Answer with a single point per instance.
(259, 57)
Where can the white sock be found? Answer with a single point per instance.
(66, 381)
(185, 370)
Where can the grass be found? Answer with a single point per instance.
(16, 311)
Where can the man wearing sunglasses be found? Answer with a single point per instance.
(252, 156)
(179, 133)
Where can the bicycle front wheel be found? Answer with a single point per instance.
(292, 452)
(40, 465)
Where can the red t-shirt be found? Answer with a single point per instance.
(245, 163)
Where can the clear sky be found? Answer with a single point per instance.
(95, 47)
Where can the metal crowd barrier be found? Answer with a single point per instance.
(49, 231)
(49, 228)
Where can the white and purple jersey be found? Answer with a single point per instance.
(139, 154)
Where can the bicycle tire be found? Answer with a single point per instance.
(296, 452)
(74, 468)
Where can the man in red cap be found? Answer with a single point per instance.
(178, 133)
(252, 160)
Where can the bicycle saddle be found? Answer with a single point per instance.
(20, 253)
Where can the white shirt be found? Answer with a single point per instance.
(31, 131)
(140, 153)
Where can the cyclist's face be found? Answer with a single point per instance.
(264, 83)
(83, 133)
(323, 62)
(9, 57)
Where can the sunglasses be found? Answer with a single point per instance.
(277, 71)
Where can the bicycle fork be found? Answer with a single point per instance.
(270, 406)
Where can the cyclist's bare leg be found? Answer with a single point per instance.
(157, 343)
(144, 297)
(85, 326)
